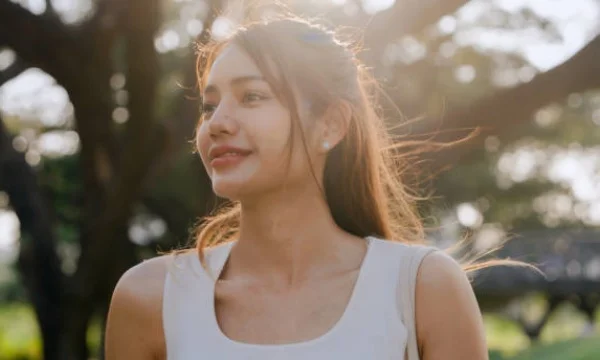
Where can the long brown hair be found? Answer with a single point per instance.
(363, 183)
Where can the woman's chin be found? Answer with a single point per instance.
(231, 190)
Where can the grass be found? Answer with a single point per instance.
(560, 339)
(19, 333)
(576, 349)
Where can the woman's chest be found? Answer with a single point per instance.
(257, 315)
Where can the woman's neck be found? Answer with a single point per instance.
(289, 237)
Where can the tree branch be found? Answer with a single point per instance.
(100, 32)
(34, 37)
(502, 113)
(50, 11)
(405, 17)
(84, 77)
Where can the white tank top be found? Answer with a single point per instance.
(378, 322)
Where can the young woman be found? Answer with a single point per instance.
(303, 266)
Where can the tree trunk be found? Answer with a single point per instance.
(38, 264)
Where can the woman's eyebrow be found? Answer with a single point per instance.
(236, 81)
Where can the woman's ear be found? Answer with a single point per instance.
(336, 121)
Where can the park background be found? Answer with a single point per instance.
(98, 106)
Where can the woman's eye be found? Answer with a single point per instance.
(207, 109)
(251, 97)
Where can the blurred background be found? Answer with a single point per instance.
(98, 106)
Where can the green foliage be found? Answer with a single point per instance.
(11, 288)
(19, 335)
(578, 349)
(554, 132)
(496, 355)
(61, 182)
(94, 336)
(504, 336)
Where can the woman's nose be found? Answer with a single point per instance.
(223, 121)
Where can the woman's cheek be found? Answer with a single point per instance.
(202, 144)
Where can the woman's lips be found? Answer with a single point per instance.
(228, 159)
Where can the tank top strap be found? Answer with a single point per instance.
(215, 259)
(411, 257)
(187, 298)
(392, 276)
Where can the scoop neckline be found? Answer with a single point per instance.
(348, 310)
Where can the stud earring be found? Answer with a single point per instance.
(326, 145)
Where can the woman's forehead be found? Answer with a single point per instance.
(231, 63)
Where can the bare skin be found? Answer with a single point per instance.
(290, 275)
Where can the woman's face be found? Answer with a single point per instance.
(244, 136)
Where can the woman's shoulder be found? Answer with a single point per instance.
(439, 270)
(433, 264)
(433, 268)
(442, 284)
(135, 314)
(143, 283)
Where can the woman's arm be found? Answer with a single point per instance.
(134, 324)
(448, 319)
